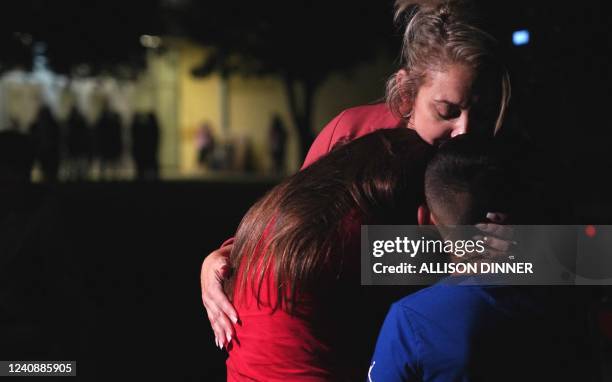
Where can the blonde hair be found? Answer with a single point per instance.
(437, 34)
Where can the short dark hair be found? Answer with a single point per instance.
(468, 177)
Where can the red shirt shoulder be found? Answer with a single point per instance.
(351, 124)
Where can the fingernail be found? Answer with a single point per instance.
(216, 342)
(229, 338)
(481, 226)
(477, 238)
(491, 216)
(234, 319)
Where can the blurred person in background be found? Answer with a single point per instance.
(278, 144)
(205, 144)
(145, 145)
(108, 143)
(45, 132)
(79, 145)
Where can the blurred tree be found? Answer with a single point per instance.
(301, 41)
(88, 37)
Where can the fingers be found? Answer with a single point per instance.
(222, 328)
(474, 257)
(221, 315)
(497, 237)
(497, 217)
(228, 309)
(214, 268)
(488, 253)
(219, 309)
(503, 232)
(217, 329)
(213, 294)
(221, 262)
(495, 254)
(495, 243)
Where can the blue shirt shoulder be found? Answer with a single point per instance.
(437, 333)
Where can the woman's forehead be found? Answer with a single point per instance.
(456, 84)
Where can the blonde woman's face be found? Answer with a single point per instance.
(453, 102)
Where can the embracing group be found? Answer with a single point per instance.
(284, 295)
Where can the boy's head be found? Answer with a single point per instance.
(466, 179)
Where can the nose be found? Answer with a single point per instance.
(462, 124)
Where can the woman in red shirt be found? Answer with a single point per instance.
(451, 82)
(296, 255)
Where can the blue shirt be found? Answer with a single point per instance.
(461, 333)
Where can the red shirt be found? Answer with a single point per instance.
(350, 124)
(273, 345)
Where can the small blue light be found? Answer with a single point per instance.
(520, 37)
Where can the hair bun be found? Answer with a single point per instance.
(406, 9)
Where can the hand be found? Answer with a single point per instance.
(497, 237)
(221, 313)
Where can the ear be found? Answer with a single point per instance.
(400, 78)
(424, 216)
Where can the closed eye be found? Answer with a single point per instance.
(448, 110)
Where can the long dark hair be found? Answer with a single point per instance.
(377, 178)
